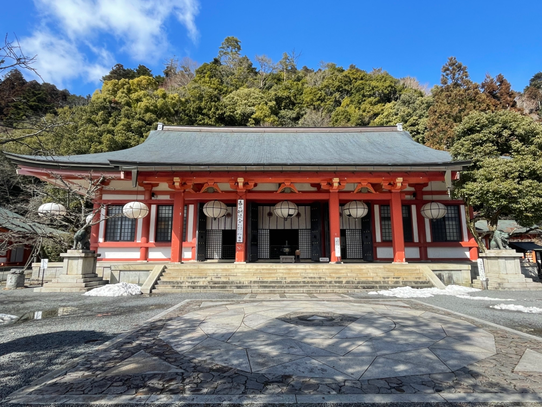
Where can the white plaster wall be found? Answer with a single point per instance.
(384, 252)
(122, 197)
(139, 232)
(436, 186)
(266, 187)
(101, 231)
(119, 253)
(224, 187)
(437, 197)
(304, 187)
(159, 252)
(191, 222)
(414, 223)
(447, 253)
(387, 252)
(412, 252)
(163, 186)
(187, 252)
(119, 184)
(378, 232)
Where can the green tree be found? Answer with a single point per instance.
(248, 107)
(505, 178)
(119, 72)
(366, 97)
(452, 102)
(412, 110)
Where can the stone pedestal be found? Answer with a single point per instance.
(15, 279)
(78, 273)
(503, 272)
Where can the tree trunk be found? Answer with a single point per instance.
(472, 228)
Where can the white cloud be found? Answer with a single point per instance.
(78, 25)
(60, 61)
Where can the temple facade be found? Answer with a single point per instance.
(270, 194)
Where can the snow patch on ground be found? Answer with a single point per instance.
(484, 298)
(517, 308)
(409, 292)
(5, 318)
(115, 290)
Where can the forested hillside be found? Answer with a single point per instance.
(232, 90)
(481, 122)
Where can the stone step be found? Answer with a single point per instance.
(290, 278)
(92, 284)
(279, 290)
(289, 288)
(281, 278)
(75, 280)
(291, 282)
(286, 274)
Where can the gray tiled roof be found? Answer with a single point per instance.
(249, 147)
(17, 223)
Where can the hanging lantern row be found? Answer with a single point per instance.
(52, 209)
(433, 210)
(218, 209)
(355, 209)
(285, 209)
(135, 210)
(215, 209)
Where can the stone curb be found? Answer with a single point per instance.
(288, 399)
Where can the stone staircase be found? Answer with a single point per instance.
(256, 278)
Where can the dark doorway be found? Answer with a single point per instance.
(228, 244)
(283, 242)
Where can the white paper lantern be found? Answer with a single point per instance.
(355, 209)
(52, 209)
(135, 210)
(285, 209)
(433, 210)
(89, 218)
(215, 209)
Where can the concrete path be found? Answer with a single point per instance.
(302, 349)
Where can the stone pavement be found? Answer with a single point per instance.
(297, 349)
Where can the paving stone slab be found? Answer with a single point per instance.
(531, 361)
(193, 355)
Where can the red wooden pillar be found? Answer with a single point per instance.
(334, 226)
(145, 229)
(95, 229)
(240, 246)
(473, 251)
(422, 237)
(177, 228)
(398, 238)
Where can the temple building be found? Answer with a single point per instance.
(266, 194)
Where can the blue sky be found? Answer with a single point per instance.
(78, 41)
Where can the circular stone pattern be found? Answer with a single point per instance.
(318, 319)
(337, 340)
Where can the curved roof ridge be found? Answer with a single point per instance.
(184, 146)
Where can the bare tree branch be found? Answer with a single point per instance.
(12, 56)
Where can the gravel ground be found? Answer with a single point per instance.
(30, 349)
(528, 323)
